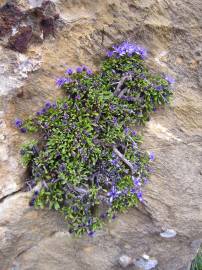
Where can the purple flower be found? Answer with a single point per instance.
(142, 52)
(79, 69)
(139, 195)
(65, 116)
(54, 105)
(115, 121)
(48, 105)
(110, 53)
(61, 81)
(65, 106)
(69, 71)
(23, 130)
(134, 133)
(151, 156)
(130, 49)
(169, 79)
(36, 192)
(136, 181)
(62, 167)
(126, 130)
(31, 203)
(112, 107)
(89, 72)
(113, 194)
(159, 87)
(114, 162)
(84, 68)
(91, 233)
(18, 123)
(78, 97)
(133, 191)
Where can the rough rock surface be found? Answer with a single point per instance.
(172, 31)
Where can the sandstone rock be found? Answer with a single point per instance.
(38, 240)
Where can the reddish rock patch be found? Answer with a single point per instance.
(10, 15)
(20, 41)
(36, 20)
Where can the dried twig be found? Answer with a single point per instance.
(120, 84)
(127, 162)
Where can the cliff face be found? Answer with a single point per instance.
(74, 32)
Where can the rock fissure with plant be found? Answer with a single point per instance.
(88, 162)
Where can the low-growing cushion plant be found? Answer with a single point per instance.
(87, 163)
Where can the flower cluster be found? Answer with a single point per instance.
(129, 49)
(66, 80)
(88, 162)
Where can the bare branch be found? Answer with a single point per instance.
(127, 162)
(120, 84)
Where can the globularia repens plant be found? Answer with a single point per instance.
(88, 164)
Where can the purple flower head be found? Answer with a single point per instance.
(112, 107)
(142, 52)
(126, 130)
(31, 203)
(84, 68)
(69, 71)
(65, 116)
(132, 191)
(91, 233)
(136, 181)
(48, 105)
(78, 97)
(110, 53)
(139, 195)
(151, 156)
(115, 121)
(54, 105)
(169, 79)
(159, 87)
(62, 167)
(36, 192)
(89, 72)
(114, 162)
(79, 69)
(61, 81)
(23, 130)
(114, 193)
(134, 133)
(18, 123)
(130, 49)
(65, 106)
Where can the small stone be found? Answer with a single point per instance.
(145, 256)
(145, 264)
(169, 233)
(125, 261)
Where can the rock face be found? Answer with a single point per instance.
(172, 31)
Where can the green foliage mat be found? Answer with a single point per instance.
(87, 163)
